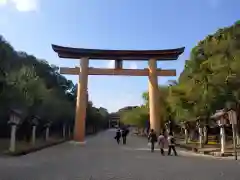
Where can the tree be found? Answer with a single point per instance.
(36, 88)
(210, 79)
(137, 117)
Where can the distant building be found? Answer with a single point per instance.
(114, 119)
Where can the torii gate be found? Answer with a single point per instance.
(152, 56)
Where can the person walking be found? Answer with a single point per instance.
(125, 132)
(152, 138)
(118, 135)
(171, 144)
(161, 143)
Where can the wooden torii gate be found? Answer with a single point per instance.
(84, 55)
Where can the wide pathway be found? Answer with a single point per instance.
(102, 159)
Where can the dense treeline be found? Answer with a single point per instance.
(35, 87)
(209, 81)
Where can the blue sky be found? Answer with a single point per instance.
(33, 25)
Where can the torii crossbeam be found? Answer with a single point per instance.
(152, 56)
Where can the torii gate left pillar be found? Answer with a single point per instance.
(81, 105)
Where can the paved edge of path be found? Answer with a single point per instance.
(186, 153)
(35, 149)
(190, 153)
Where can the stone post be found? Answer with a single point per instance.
(14, 121)
(185, 127)
(34, 127)
(69, 131)
(237, 134)
(47, 133)
(186, 135)
(200, 130)
(64, 131)
(154, 96)
(223, 139)
(12, 147)
(79, 131)
(34, 123)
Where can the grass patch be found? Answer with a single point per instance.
(209, 142)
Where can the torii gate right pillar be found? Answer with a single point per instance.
(154, 104)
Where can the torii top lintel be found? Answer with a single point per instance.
(76, 53)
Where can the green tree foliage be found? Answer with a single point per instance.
(35, 87)
(97, 118)
(210, 79)
(137, 116)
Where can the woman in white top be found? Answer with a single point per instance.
(161, 142)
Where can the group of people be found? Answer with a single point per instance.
(162, 140)
(121, 133)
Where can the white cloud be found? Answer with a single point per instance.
(111, 64)
(22, 5)
(133, 65)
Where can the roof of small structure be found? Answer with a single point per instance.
(219, 114)
(76, 53)
(17, 112)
